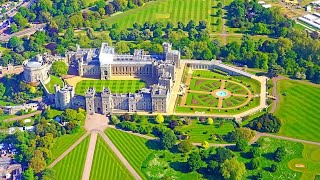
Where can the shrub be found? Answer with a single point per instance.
(115, 120)
(185, 146)
(273, 168)
(255, 163)
(205, 144)
(209, 121)
(159, 119)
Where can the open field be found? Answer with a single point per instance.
(106, 164)
(200, 132)
(116, 86)
(169, 10)
(133, 148)
(298, 109)
(62, 143)
(53, 80)
(71, 166)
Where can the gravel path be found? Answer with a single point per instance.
(274, 92)
(90, 154)
(22, 116)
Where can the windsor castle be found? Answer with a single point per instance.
(105, 63)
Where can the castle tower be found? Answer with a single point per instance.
(80, 67)
(166, 47)
(107, 103)
(90, 100)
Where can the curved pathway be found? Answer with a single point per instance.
(274, 93)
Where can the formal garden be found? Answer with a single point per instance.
(214, 91)
(116, 86)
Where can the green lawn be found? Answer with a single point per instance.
(116, 86)
(133, 148)
(6, 103)
(71, 166)
(53, 81)
(62, 143)
(106, 164)
(169, 10)
(200, 132)
(299, 109)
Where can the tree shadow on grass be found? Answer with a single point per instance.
(180, 166)
(268, 156)
(153, 144)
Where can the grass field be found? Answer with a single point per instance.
(62, 143)
(106, 164)
(310, 159)
(298, 109)
(169, 10)
(116, 86)
(200, 132)
(53, 80)
(71, 166)
(133, 148)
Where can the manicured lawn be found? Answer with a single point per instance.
(106, 164)
(6, 103)
(150, 164)
(200, 132)
(310, 159)
(169, 10)
(116, 86)
(71, 166)
(299, 109)
(293, 150)
(3, 117)
(133, 148)
(62, 143)
(53, 81)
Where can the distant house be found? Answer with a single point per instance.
(12, 171)
(12, 130)
(11, 110)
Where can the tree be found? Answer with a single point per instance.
(266, 123)
(168, 139)
(28, 174)
(115, 120)
(233, 169)
(205, 144)
(241, 144)
(255, 152)
(48, 174)
(209, 121)
(194, 161)
(38, 163)
(275, 70)
(255, 163)
(273, 168)
(2, 89)
(13, 42)
(59, 68)
(280, 153)
(109, 9)
(213, 167)
(122, 47)
(185, 146)
(222, 154)
(159, 119)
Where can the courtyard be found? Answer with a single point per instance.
(216, 92)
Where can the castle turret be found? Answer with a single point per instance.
(107, 103)
(90, 100)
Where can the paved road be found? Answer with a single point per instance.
(90, 154)
(68, 150)
(17, 118)
(120, 156)
(25, 32)
(286, 138)
(274, 93)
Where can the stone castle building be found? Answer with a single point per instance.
(36, 70)
(105, 63)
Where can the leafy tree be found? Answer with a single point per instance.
(213, 167)
(210, 121)
(122, 47)
(280, 153)
(59, 68)
(205, 144)
(115, 120)
(255, 163)
(48, 174)
(159, 119)
(194, 161)
(38, 163)
(266, 123)
(168, 139)
(241, 144)
(273, 168)
(233, 169)
(255, 152)
(2, 89)
(13, 42)
(28, 174)
(222, 154)
(185, 146)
